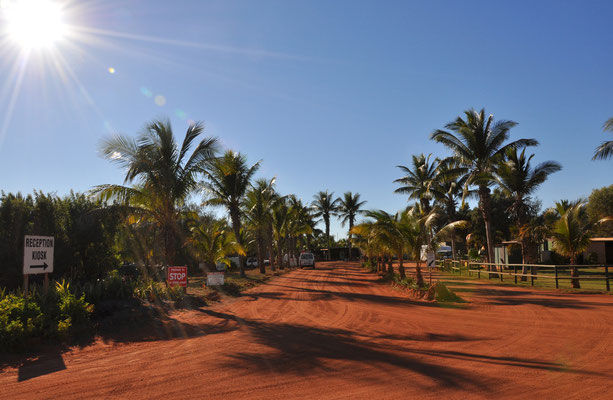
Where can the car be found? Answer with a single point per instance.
(252, 262)
(306, 260)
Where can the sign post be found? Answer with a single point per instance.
(214, 278)
(430, 260)
(37, 258)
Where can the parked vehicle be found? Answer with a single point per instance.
(306, 260)
(252, 262)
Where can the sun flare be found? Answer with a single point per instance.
(33, 24)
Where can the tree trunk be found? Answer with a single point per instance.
(484, 205)
(280, 254)
(236, 226)
(524, 260)
(390, 265)
(260, 245)
(327, 221)
(287, 249)
(169, 246)
(574, 273)
(419, 279)
(349, 237)
(401, 270)
(269, 245)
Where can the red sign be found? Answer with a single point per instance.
(177, 276)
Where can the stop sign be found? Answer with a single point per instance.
(177, 276)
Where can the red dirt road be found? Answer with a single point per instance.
(336, 333)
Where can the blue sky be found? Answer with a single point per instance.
(330, 95)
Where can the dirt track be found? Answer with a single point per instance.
(336, 333)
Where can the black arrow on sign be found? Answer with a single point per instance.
(43, 267)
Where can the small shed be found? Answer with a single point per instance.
(603, 248)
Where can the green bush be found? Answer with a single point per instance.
(444, 295)
(60, 313)
(408, 281)
(155, 291)
(71, 307)
(19, 321)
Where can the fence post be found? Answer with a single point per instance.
(479, 272)
(532, 275)
(555, 270)
(501, 267)
(606, 277)
(489, 270)
(515, 273)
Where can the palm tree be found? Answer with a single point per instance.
(349, 208)
(280, 216)
(257, 206)
(571, 234)
(448, 188)
(385, 228)
(229, 177)
(213, 243)
(324, 207)
(164, 175)
(299, 224)
(518, 180)
(605, 150)
(429, 231)
(478, 145)
(418, 181)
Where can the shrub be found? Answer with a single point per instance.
(72, 308)
(19, 320)
(59, 313)
(408, 282)
(443, 294)
(155, 291)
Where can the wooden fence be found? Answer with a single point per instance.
(554, 273)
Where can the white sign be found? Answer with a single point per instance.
(430, 259)
(38, 255)
(214, 278)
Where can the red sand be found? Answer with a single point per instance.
(336, 333)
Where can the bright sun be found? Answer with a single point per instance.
(33, 24)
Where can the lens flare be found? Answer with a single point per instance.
(160, 100)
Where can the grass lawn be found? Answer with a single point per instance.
(587, 285)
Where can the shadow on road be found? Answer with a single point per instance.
(43, 365)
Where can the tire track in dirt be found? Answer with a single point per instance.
(337, 333)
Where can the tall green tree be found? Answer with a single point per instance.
(419, 179)
(572, 232)
(518, 180)
(258, 206)
(600, 205)
(229, 177)
(605, 150)
(280, 216)
(478, 144)
(448, 189)
(325, 206)
(163, 174)
(213, 243)
(349, 208)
